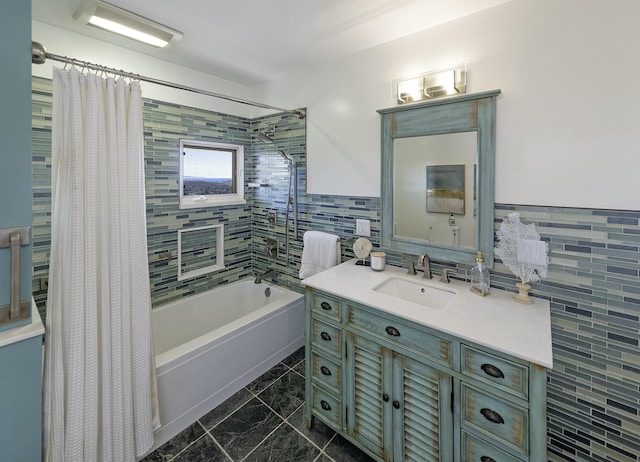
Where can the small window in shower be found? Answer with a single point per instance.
(211, 174)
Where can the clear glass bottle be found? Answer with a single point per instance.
(480, 277)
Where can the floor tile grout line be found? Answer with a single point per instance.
(217, 443)
(287, 422)
(265, 438)
(253, 395)
(272, 382)
(191, 443)
(302, 434)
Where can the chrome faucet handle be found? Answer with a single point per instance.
(411, 269)
(444, 277)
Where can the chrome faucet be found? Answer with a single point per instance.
(269, 274)
(423, 260)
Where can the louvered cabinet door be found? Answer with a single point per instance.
(369, 385)
(422, 416)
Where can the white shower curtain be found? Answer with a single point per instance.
(100, 399)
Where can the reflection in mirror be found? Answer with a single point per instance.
(434, 190)
(438, 178)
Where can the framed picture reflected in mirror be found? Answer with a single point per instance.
(445, 189)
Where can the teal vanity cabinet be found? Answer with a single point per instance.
(402, 391)
(397, 378)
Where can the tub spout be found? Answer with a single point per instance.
(269, 274)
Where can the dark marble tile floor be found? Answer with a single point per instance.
(262, 422)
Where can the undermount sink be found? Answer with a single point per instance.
(416, 292)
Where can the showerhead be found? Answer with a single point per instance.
(262, 137)
(286, 157)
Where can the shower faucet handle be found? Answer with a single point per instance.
(271, 248)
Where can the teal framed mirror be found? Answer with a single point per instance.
(437, 190)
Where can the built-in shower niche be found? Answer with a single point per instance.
(200, 251)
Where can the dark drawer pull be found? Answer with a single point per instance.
(325, 336)
(492, 370)
(487, 459)
(396, 404)
(392, 331)
(325, 306)
(385, 398)
(325, 370)
(324, 405)
(491, 415)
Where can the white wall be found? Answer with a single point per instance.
(568, 130)
(61, 42)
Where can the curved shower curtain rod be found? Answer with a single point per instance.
(39, 55)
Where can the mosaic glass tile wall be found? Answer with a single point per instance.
(593, 282)
(593, 396)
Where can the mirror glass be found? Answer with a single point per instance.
(438, 178)
(434, 189)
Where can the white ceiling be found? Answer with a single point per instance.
(255, 41)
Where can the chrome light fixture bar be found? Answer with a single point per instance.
(117, 20)
(430, 85)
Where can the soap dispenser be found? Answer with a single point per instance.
(480, 277)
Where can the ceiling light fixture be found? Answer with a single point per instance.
(114, 19)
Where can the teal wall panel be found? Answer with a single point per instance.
(15, 150)
(21, 400)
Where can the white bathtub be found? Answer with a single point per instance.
(209, 346)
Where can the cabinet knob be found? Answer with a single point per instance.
(325, 306)
(396, 404)
(487, 459)
(385, 398)
(324, 405)
(491, 415)
(492, 370)
(325, 370)
(392, 331)
(325, 336)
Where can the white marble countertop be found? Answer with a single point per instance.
(496, 321)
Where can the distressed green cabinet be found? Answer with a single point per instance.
(389, 391)
(404, 392)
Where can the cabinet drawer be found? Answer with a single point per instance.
(328, 306)
(326, 371)
(475, 449)
(496, 418)
(404, 333)
(326, 336)
(508, 375)
(328, 407)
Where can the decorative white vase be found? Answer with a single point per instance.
(523, 295)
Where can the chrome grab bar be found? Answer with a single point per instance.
(14, 238)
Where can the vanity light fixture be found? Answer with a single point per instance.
(117, 20)
(433, 84)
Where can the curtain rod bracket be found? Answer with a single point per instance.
(39, 55)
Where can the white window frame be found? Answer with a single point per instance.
(213, 200)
